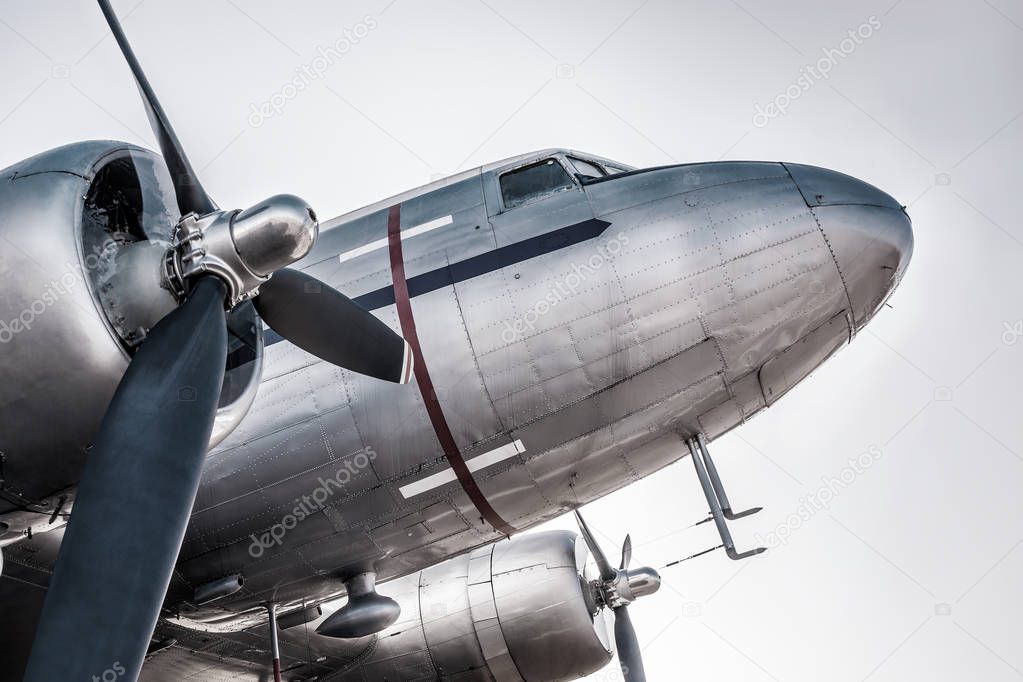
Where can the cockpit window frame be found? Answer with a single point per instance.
(575, 184)
(573, 158)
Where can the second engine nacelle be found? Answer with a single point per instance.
(517, 610)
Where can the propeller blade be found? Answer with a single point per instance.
(630, 656)
(134, 499)
(189, 191)
(607, 571)
(626, 553)
(321, 320)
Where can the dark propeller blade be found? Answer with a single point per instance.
(626, 553)
(630, 656)
(607, 571)
(134, 499)
(189, 191)
(321, 320)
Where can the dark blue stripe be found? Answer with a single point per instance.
(479, 265)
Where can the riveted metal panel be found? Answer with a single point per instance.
(793, 364)
(479, 565)
(544, 569)
(485, 621)
(652, 185)
(421, 527)
(447, 619)
(720, 419)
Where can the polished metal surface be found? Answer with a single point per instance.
(366, 612)
(714, 289)
(868, 232)
(274, 233)
(132, 292)
(707, 273)
(298, 617)
(513, 611)
(243, 248)
(216, 589)
(65, 331)
(638, 582)
(60, 359)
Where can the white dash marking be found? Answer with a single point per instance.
(475, 464)
(405, 234)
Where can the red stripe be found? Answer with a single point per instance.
(433, 407)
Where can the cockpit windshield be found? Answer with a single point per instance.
(593, 169)
(533, 182)
(586, 169)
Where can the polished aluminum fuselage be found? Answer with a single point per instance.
(713, 289)
(572, 342)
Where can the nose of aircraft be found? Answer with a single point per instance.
(869, 233)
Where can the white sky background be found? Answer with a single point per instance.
(440, 86)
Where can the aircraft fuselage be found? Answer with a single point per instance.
(565, 345)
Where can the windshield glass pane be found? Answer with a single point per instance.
(586, 169)
(533, 182)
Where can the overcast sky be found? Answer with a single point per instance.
(912, 571)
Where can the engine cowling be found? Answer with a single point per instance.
(517, 610)
(81, 227)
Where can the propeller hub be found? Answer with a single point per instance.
(242, 248)
(626, 586)
(632, 584)
(274, 233)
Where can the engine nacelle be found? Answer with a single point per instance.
(76, 273)
(516, 610)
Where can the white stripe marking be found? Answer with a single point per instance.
(407, 364)
(475, 464)
(405, 234)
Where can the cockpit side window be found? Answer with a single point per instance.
(613, 170)
(533, 182)
(586, 169)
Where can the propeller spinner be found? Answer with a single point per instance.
(141, 476)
